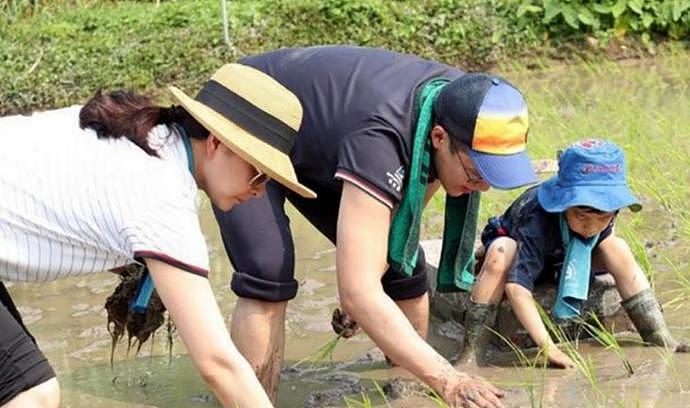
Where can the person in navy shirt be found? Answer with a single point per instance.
(354, 150)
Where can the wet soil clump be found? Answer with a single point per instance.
(139, 327)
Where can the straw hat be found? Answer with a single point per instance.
(253, 115)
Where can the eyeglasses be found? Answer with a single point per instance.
(472, 177)
(259, 179)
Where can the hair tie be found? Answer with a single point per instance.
(174, 113)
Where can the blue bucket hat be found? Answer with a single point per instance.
(590, 173)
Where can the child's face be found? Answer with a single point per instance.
(587, 223)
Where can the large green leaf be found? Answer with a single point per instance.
(551, 10)
(588, 18)
(619, 8)
(570, 16)
(679, 6)
(647, 20)
(602, 8)
(525, 8)
(636, 6)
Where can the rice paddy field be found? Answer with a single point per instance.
(642, 105)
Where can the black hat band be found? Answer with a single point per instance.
(248, 116)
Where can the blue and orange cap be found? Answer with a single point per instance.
(489, 115)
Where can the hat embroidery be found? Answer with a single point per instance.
(600, 168)
(589, 143)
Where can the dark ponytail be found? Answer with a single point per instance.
(128, 114)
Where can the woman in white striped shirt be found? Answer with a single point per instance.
(93, 188)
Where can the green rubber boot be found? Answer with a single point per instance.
(479, 318)
(645, 313)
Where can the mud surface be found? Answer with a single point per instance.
(69, 321)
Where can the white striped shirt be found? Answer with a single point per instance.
(71, 203)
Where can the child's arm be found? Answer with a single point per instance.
(527, 314)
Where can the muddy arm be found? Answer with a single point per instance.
(342, 323)
(192, 305)
(525, 309)
(362, 245)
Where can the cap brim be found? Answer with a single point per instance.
(505, 172)
(250, 148)
(608, 198)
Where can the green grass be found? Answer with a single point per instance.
(59, 52)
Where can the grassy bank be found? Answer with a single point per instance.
(59, 52)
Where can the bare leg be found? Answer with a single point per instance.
(44, 395)
(417, 312)
(258, 331)
(491, 279)
(481, 309)
(616, 256)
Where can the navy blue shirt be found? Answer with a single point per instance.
(358, 118)
(540, 250)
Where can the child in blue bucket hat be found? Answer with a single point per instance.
(560, 231)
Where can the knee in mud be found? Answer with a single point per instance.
(499, 256)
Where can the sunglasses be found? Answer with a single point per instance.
(259, 179)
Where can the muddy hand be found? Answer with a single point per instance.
(472, 391)
(559, 359)
(682, 346)
(343, 324)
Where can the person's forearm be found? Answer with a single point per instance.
(224, 369)
(362, 247)
(192, 306)
(388, 327)
(527, 314)
(246, 390)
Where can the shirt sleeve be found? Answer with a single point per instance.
(532, 243)
(164, 225)
(372, 160)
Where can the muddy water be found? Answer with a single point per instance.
(68, 319)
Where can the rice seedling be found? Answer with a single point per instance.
(366, 400)
(583, 364)
(669, 359)
(440, 403)
(365, 403)
(536, 371)
(322, 353)
(381, 393)
(681, 291)
(607, 339)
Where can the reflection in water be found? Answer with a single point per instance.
(68, 319)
